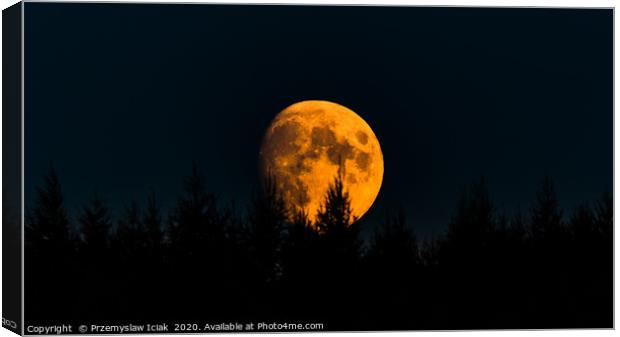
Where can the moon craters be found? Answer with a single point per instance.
(283, 139)
(337, 151)
(362, 160)
(309, 143)
(361, 137)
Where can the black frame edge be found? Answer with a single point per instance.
(12, 206)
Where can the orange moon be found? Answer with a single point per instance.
(304, 147)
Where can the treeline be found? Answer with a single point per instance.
(203, 261)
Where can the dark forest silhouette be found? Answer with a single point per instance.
(203, 261)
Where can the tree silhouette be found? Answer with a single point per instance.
(395, 244)
(195, 220)
(152, 221)
(583, 225)
(131, 237)
(337, 255)
(394, 267)
(300, 252)
(335, 212)
(136, 251)
(489, 269)
(601, 264)
(604, 216)
(335, 223)
(467, 246)
(49, 250)
(546, 216)
(475, 216)
(199, 234)
(96, 224)
(47, 226)
(467, 250)
(268, 220)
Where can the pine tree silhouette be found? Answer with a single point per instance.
(137, 249)
(394, 269)
(96, 224)
(299, 252)
(601, 264)
(152, 221)
(546, 216)
(335, 212)
(48, 227)
(195, 220)
(467, 250)
(49, 250)
(130, 238)
(605, 215)
(337, 256)
(394, 243)
(475, 216)
(199, 235)
(583, 225)
(335, 223)
(268, 219)
(530, 270)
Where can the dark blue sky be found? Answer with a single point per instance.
(122, 98)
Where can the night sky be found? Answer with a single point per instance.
(122, 98)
